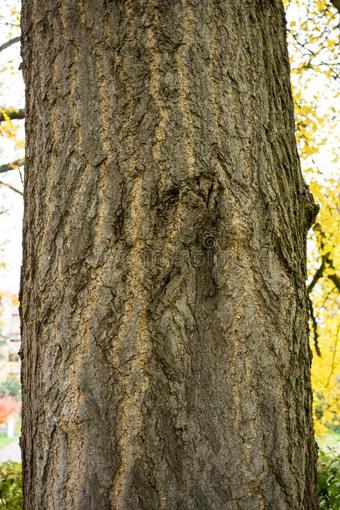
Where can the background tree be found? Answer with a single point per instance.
(313, 41)
(8, 406)
(10, 387)
(11, 115)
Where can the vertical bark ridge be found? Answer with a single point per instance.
(213, 82)
(134, 394)
(135, 382)
(182, 57)
(163, 115)
(99, 457)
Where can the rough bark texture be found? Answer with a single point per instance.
(165, 345)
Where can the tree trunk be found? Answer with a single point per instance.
(165, 341)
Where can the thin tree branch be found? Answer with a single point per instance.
(336, 4)
(12, 113)
(11, 187)
(333, 364)
(318, 274)
(21, 176)
(335, 279)
(325, 261)
(9, 43)
(14, 165)
(314, 325)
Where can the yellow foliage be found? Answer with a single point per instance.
(7, 128)
(312, 41)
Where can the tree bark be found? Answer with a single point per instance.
(165, 343)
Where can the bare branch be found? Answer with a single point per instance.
(11, 187)
(9, 43)
(325, 261)
(333, 364)
(21, 176)
(318, 274)
(314, 325)
(13, 165)
(336, 4)
(335, 279)
(12, 114)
